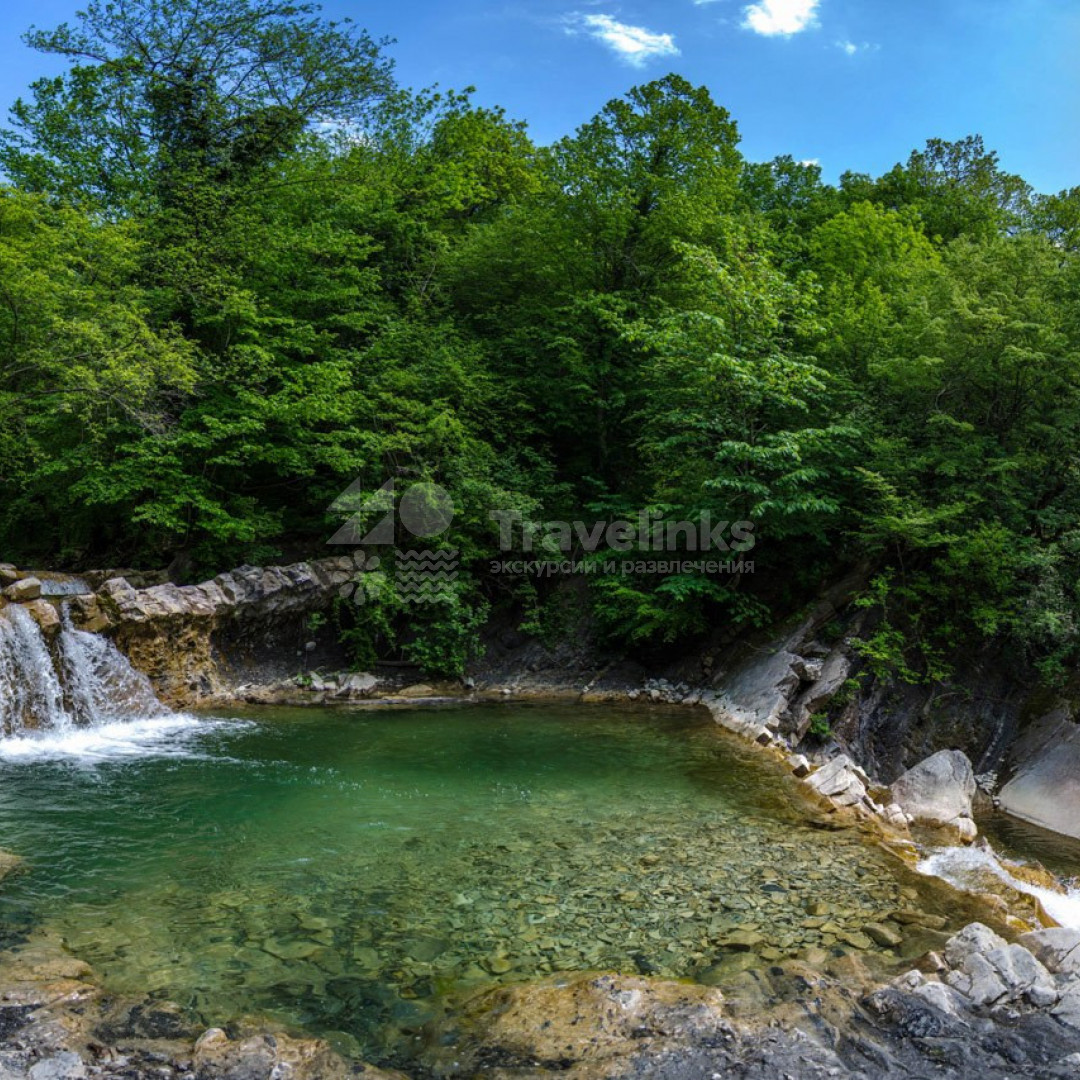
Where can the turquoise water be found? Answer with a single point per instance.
(339, 870)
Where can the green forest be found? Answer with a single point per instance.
(242, 268)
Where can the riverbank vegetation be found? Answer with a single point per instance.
(241, 269)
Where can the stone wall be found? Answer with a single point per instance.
(198, 642)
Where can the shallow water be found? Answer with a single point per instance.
(1020, 839)
(340, 869)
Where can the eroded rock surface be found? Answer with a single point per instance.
(198, 643)
(939, 792)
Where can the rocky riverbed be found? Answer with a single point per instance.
(980, 1007)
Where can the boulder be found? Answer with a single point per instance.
(27, 588)
(357, 684)
(974, 939)
(45, 615)
(1024, 976)
(987, 970)
(977, 980)
(1057, 948)
(1046, 787)
(840, 780)
(759, 694)
(939, 792)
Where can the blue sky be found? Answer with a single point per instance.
(852, 83)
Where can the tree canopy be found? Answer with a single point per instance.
(241, 269)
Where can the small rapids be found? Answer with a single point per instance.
(78, 698)
(978, 869)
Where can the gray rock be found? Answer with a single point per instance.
(828, 676)
(977, 980)
(1023, 975)
(1068, 1009)
(64, 1066)
(1057, 948)
(358, 683)
(939, 791)
(1046, 787)
(758, 694)
(839, 781)
(973, 939)
(942, 997)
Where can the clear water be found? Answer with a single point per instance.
(339, 870)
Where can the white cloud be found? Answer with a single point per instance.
(810, 161)
(775, 18)
(851, 48)
(634, 44)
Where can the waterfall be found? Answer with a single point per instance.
(31, 695)
(88, 683)
(102, 686)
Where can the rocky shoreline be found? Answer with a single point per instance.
(974, 1006)
(980, 1007)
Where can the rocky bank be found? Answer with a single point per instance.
(981, 1007)
(975, 1005)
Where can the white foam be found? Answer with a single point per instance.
(967, 869)
(156, 736)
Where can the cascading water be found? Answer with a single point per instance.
(976, 869)
(101, 685)
(81, 698)
(31, 695)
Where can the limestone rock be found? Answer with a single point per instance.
(1057, 948)
(759, 694)
(839, 781)
(942, 997)
(28, 588)
(987, 970)
(977, 980)
(939, 792)
(1046, 787)
(417, 690)
(64, 1066)
(1068, 1009)
(973, 939)
(259, 1057)
(1023, 975)
(45, 615)
(357, 684)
